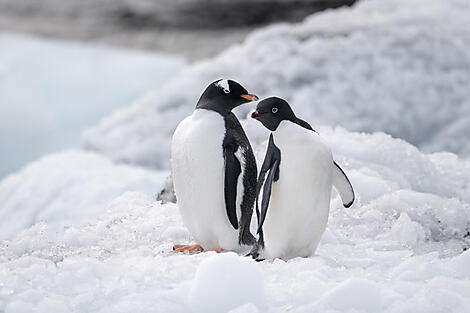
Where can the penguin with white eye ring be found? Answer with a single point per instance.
(296, 192)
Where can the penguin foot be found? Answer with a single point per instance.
(189, 248)
(219, 250)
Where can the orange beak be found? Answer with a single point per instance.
(250, 97)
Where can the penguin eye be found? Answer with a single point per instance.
(274, 110)
(226, 91)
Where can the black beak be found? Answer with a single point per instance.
(254, 114)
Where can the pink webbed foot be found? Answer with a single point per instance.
(189, 248)
(194, 249)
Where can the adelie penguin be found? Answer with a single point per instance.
(214, 171)
(296, 194)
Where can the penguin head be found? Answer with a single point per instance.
(272, 111)
(223, 96)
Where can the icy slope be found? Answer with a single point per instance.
(399, 66)
(66, 189)
(399, 248)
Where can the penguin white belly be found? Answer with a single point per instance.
(300, 199)
(198, 174)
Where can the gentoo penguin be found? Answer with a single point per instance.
(296, 193)
(214, 171)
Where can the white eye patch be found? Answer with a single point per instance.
(274, 110)
(223, 83)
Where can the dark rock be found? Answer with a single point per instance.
(167, 193)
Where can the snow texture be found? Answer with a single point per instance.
(399, 66)
(217, 289)
(67, 189)
(400, 248)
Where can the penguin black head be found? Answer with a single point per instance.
(272, 111)
(223, 96)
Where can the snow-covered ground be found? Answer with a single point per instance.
(66, 189)
(399, 248)
(399, 66)
(51, 90)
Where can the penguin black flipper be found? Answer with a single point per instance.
(239, 158)
(267, 191)
(343, 186)
(271, 163)
(232, 171)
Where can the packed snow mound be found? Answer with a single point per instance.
(402, 245)
(66, 189)
(398, 66)
(217, 289)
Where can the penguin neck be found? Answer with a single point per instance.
(284, 125)
(213, 106)
(288, 119)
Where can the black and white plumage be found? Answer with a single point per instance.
(214, 170)
(296, 192)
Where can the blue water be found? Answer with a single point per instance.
(50, 91)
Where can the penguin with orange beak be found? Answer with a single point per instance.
(214, 171)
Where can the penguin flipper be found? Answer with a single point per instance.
(232, 171)
(271, 164)
(267, 192)
(343, 186)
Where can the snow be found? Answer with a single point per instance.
(51, 90)
(401, 247)
(66, 189)
(216, 289)
(354, 294)
(397, 66)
